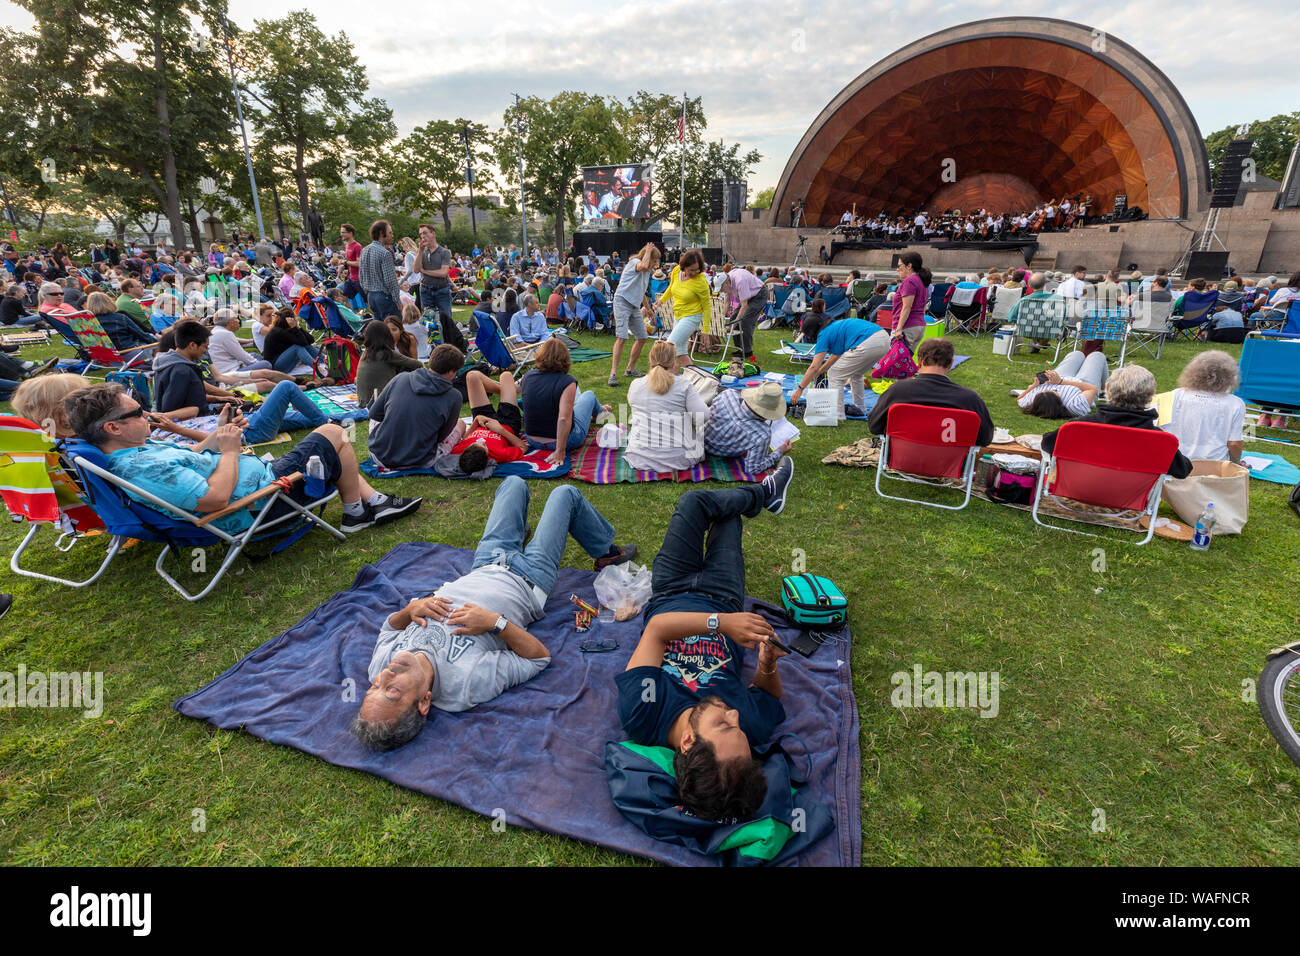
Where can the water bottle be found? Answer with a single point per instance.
(1204, 529)
(315, 484)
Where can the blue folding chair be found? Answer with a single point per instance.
(938, 306)
(1197, 309)
(1270, 374)
(1104, 325)
(116, 502)
(501, 351)
(1289, 327)
(837, 302)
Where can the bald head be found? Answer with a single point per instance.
(1037, 281)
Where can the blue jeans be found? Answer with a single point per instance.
(701, 553)
(294, 356)
(439, 299)
(584, 407)
(566, 513)
(9, 386)
(382, 305)
(26, 321)
(275, 413)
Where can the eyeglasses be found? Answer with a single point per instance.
(137, 412)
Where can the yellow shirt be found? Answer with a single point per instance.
(690, 297)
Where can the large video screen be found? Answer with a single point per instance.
(616, 192)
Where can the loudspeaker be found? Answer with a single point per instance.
(1228, 180)
(1206, 265)
(712, 255)
(715, 201)
(736, 198)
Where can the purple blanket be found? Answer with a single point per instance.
(535, 752)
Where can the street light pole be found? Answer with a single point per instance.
(519, 138)
(469, 176)
(239, 111)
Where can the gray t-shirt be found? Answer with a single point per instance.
(440, 258)
(469, 669)
(632, 285)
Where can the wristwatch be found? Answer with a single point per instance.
(712, 623)
(500, 625)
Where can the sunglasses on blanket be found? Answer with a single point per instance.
(595, 646)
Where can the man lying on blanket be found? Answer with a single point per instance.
(682, 687)
(467, 643)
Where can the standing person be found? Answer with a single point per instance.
(910, 299)
(378, 272)
(689, 291)
(846, 349)
(632, 309)
(747, 291)
(433, 266)
(351, 259)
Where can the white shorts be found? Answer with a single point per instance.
(682, 331)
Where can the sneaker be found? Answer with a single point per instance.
(359, 522)
(613, 381)
(621, 555)
(1017, 392)
(392, 508)
(776, 485)
(633, 373)
(603, 415)
(6, 602)
(10, 349)
(40, 368)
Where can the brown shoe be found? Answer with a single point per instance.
(620, 555)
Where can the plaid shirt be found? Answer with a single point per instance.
(378, 271)
(734, 430)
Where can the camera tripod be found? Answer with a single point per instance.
(801, 254)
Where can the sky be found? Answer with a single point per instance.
(760, 87)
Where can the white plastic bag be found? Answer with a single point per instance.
(825, 406)
(625, 588)
(611, 435)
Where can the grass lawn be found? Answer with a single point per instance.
(1121, 690)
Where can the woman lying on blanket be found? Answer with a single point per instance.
(468, 642)
(1067, 391)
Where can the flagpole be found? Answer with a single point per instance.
(681, 221)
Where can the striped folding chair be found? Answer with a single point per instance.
(1039, 319)
(1105, 325)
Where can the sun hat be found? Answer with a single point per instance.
(765, 400)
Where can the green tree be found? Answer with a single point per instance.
(764, 198)
(560, 135)
(340, 204)
(650, 124)
(714, 160)
(426, 170)
(123, 101)
(312, 112)
(1274, 139)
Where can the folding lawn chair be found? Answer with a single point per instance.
(501, 351)
(37, 489)
(926, 444)
(117, 503)
(1289, 324)
(837, 303)
(1039, 319)
(1105, 325)
(861, 291)
(1003, 299)
(937, 305)
(967, 311)
(1105, 466)
(1270, 375)
(99, 347)
(719, 326)
(1197, 309)
(1150, 325)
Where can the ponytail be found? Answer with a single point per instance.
(913, 261)
(661, 374)
(925, 274)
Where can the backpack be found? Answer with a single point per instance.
(1295, 499)
(813, 601)
(338, 360)
(136, 385)
(724, 368)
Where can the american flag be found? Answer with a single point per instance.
(681, 124)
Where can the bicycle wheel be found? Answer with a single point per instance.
(1278, 695)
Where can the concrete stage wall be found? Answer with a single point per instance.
(1259, 241)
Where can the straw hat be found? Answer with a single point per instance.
(658, 274)
(765, 400)
(1135, 275)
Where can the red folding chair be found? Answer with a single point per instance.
(925, 442)
(1106, 466)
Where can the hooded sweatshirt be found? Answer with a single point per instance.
(414, 412)
(1145, 418)
(178, 383)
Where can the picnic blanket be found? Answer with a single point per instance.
(1281, 472)
(584, 354)
(790, 382)
(536, 752)
(338, 401)
(532, 465)
(607, 466)
(206, 424)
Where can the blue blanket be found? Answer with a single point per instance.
(790, 382)
(535, 752)
(1281, 472)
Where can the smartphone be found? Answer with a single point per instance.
(1040, 378)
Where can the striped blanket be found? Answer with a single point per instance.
(607, 466)
(338, 401)
(206, 424)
